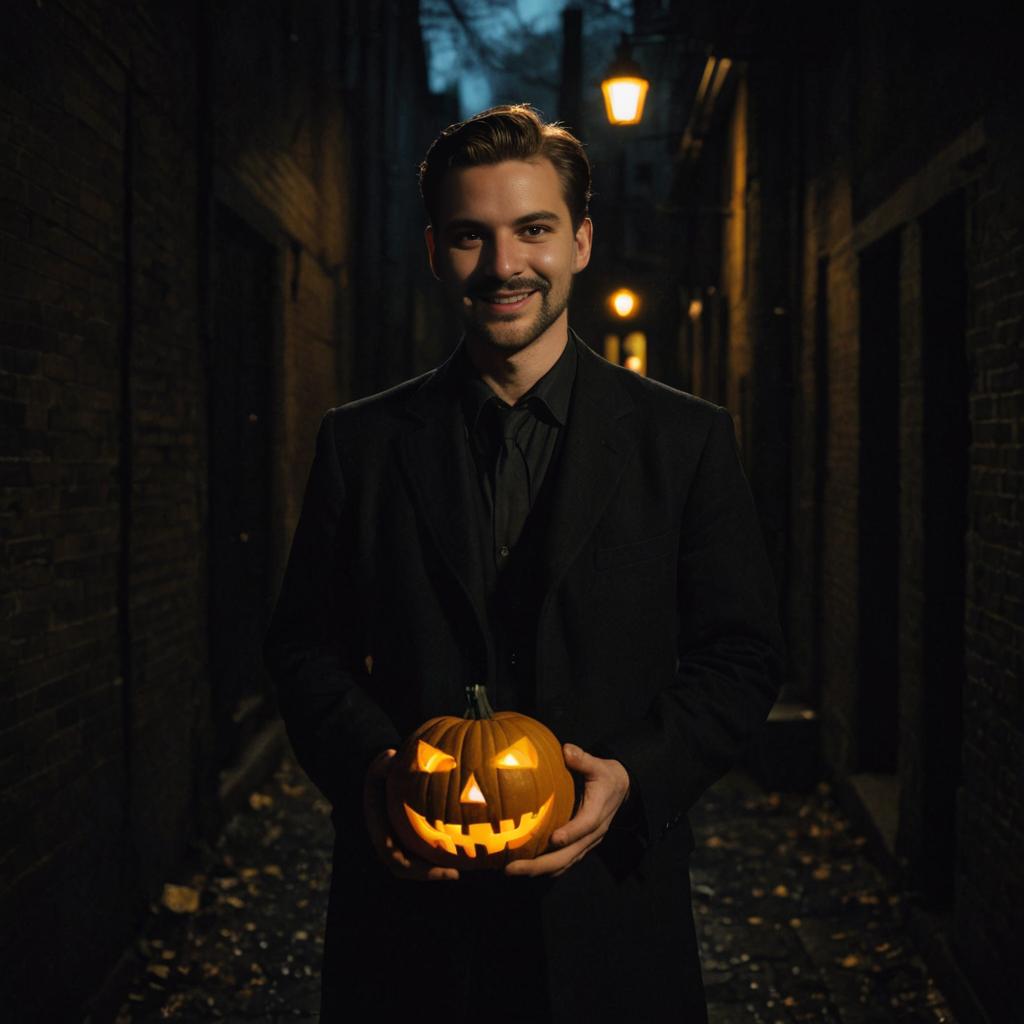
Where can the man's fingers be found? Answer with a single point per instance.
(380, 765)
(578, 759)
(586, 821)
(551, 863)
(442, 874)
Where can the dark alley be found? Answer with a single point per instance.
(499, 428)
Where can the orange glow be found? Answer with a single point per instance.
(624, 99)
(635, 347)
(471, 793)
(451, 837)
(611, 348)
(696, 308)
(624, 302)
(522, 754)
(430, 759)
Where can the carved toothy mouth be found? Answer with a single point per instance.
(451, 837)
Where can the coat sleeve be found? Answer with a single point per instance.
(729, 661)
(312, 649)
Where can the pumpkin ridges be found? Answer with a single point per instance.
(487, 752)
(452, 738)
(503, 787)
(428, 782)
(551, 755)
(511, 779)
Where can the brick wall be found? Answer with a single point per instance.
(873, 167)
(893, 126)
(990, 900)
(130, 135)
(102, 482)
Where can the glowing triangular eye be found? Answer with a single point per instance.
(522, 754)
(430, 759)
(471, 792)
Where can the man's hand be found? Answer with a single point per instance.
(389, 853)
(606, 786)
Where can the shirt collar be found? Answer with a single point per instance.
(551, 393)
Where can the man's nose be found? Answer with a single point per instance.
(502, 257)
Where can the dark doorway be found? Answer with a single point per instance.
(946, 430)
(822, 426)
(243, 307)
(878, 507)
(720, 311)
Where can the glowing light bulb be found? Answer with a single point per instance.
(624, 302)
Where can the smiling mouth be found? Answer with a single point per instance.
(507, 302)
(450, 837)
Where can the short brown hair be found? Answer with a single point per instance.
(510, 132)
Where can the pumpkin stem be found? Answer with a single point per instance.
(477, 704)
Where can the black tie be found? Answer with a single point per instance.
(511, 481)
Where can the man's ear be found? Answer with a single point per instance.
(428, 237)
(582, 243)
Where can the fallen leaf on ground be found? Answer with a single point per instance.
(180, 899)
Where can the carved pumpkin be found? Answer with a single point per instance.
(479, 791)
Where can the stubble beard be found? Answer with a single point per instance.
(508, 342)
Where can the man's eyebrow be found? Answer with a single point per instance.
(529, 218)
(463, 223)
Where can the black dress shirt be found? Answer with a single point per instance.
(515, 451)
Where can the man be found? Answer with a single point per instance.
(579, 538)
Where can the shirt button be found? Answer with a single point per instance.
(503, 551)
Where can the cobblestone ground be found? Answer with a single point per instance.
(796, 925)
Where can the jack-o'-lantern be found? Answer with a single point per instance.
(478, 791)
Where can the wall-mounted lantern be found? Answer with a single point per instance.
(624, 88)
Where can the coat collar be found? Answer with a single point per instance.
(599, 440)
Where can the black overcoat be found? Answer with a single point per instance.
(657, 644)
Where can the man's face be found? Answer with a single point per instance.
(505, 251)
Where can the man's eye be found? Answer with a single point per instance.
(536, 230)
(466, 237)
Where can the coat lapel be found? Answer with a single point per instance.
(599, 441)
(436, 461)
